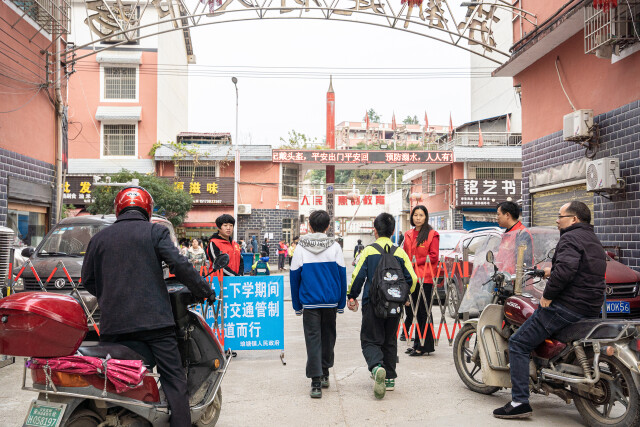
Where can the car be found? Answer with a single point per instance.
(65, 245)
(622, 282)
(448, 241)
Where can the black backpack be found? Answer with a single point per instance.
(388, 290)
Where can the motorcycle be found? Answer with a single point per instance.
(44, 326)
(594, 362)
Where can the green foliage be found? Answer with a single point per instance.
(364, 177)
(297, 141)
(373, 116)
(171, 203)
(317, 176)
(410, 120)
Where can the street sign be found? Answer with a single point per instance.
(487, 192)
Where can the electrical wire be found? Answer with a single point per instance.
(633, 23)
(561, 85)
(23, 105)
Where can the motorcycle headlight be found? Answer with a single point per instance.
(18, 285)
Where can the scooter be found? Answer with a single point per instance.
(46, 325)
(593, 362)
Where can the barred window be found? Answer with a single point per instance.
(289, 181)
(119, 83)
(431, 182)
(203, 170)
(119, 140)
(493, 170)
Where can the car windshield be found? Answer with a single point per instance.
(448, 241)
(69, 240)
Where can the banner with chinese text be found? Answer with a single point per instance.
(340, 157)
(487, 192)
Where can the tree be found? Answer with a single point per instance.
(297, 141)
(373, 116)
(169, 202)
(411, 120)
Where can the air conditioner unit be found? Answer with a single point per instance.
(244, 209)
(603, 174)
(577, 125)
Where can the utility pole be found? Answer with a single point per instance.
(236, 164)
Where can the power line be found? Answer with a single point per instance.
(23, 105)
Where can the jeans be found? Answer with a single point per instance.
(542, 324)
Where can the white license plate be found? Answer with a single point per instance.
(618, 307)
(44, 414)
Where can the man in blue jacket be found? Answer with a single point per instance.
(318, 278)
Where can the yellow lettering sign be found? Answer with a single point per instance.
(212, 188)
(178, 185)
(85, 187)
(66, 187)
(194, 188)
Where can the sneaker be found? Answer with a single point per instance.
(325, 381)
(402, 337)
(508, 411)
(379, 375)
(316, 388)
(390, 384)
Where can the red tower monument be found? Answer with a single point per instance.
(331, 142)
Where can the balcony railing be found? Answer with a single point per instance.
(472, 139)
(386, 144)
(51, 15)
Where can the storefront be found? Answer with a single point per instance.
(28, 210)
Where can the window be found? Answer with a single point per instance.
(495, 171)
(203, 170)
(119, 140)
(287, 229)
(290, 181)
(28, 222)
(120, 83)
(431, 182)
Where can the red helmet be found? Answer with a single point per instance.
(133, 197)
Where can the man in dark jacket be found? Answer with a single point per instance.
(574, 291)
(123, 269)
(222, 243)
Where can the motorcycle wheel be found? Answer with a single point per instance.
(470, 372)
(454, 299)
(83, 418)
(619, 406)
(211, 414)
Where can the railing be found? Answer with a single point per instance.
(51, 15)
(386, 144)
(472, 139)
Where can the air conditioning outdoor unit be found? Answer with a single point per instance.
(244, 209)
(577, 125)
(604, 174)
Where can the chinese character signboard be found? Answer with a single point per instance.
(253, 313)
(486, 192)
(342, 157)
(206, 191)
(77, 190)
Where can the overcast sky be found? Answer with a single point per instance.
(270, 107)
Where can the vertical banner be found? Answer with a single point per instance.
(253, 309)
(331, 207)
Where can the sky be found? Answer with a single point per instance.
(270, 107)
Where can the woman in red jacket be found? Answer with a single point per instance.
(420, 242)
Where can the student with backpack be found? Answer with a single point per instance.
(318, 279)
(386, 278)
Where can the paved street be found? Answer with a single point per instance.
(259, 390)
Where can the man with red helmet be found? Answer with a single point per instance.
(123, 269)
(222, 243)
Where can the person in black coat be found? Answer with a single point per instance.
(123, 268)
(265, 246)
(574, 291)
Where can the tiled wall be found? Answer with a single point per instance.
(272, 224)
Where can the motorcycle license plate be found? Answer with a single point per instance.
(44, 414)
(618, 307)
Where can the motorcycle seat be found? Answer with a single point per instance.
(580, 330)
(117, 351)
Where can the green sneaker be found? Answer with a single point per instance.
(316, 389)
(390, 384)
(379, 375)
(325, 381)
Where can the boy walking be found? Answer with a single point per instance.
(378, 335)
(318, 290)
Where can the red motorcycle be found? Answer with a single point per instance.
(82, 383)
(593, 362)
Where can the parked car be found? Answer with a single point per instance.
(623, 283)
(67, 243)
(448, 241)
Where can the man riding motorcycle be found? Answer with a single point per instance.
(123, 269)
(574, 291)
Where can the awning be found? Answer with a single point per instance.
(119, 57)
(119, 114)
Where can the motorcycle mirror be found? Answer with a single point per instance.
(490, 257)
(551, 253)
(221, 262)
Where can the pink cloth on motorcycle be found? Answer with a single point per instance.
(123, 374)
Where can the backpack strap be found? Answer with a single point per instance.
(379, 248)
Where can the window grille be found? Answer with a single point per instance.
(119, 83)
(203, 170)
(495, 171)
(289, 181)
(431, 182)
(119, 140)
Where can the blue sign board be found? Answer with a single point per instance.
(253, 313)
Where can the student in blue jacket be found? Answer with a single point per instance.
(318, 279)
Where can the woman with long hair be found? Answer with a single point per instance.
(420, 242)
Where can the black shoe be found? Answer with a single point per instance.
(509, 412)
(316, 388)
(325, 381)
(402, 337)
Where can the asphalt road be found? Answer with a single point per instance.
(259, 390)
